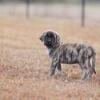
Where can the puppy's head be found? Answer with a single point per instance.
(50, 39)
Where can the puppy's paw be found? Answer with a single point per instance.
(59, 73)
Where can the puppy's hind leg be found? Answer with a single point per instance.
(84, 71)
(90, 70)
(84, 74)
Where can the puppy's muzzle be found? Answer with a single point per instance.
(41, 38)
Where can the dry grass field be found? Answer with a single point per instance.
(24, 61)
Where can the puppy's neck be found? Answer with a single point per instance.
(51, 50)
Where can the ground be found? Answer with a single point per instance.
(24, 61)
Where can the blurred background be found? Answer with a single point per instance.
(68, 9)
(24, 61)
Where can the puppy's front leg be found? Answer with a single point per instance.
(54, 64)
(52, 69)
(59, 67)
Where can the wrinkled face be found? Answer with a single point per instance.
(49, 38)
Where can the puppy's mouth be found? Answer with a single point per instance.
(48, 44)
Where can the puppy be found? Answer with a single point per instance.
(59, 53)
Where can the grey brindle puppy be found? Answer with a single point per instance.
(69, 54)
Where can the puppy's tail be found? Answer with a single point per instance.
(94, 62)
(92, 58)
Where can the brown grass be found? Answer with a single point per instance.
(24, 61)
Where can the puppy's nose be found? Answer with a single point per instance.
(41, 38)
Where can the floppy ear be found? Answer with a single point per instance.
(57, 37)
